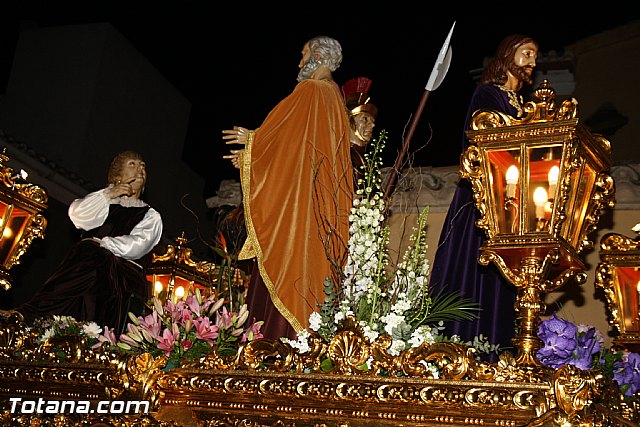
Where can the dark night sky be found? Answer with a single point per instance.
(235, 62)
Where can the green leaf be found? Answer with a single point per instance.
(326, 365)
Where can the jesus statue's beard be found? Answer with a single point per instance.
(308, 69)
(521, 73)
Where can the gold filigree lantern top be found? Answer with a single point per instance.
(21, 219)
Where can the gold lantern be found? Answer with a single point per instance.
(539, 183)
(21, 220)
(618, 274)
(174, 274)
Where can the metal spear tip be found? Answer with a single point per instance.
(441, 66)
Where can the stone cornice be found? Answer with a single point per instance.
(420, 187)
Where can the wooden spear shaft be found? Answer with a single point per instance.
(393, 177)
(435, 78)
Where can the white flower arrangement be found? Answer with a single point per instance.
(58, 326)
(383, 299)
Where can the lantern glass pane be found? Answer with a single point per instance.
(627, 280)
(582, 183)
(12, 223)
(544, 161)
(504, 179)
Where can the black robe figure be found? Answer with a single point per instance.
(102, 276)
(92, 283)
(455, 265)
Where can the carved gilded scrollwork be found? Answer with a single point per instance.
(13, 332)
(543, 111)
(487, 119)
(603, 197)
(606, 281)
(32, 192)
(141, 374)
(618, 242)
(278, 356)
(617, 275)
(575, 391)
(471, 169)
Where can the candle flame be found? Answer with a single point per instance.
(540, 196)
(512, 175)
(157, 287)
(179, 292)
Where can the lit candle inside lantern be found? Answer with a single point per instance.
(540, 199)
(157, 287)
(512, 180)
(179, 291)
(553, 179)
(6, 233)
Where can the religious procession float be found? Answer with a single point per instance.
(374, 355)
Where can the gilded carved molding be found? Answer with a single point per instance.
(270, 383)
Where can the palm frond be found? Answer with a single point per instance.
(446, 307)
(451, 305)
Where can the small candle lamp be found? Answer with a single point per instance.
(540, 200)
(21, 219)
(173, 274)
(512, 180)
(618, 274)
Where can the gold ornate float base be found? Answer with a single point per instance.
(271, 384)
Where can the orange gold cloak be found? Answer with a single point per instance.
(297, 192)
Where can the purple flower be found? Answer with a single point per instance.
(193, 303)
(205, 330)
(179, 328)
(253, 331)
(152, 324)
(583, 347)
(587, 344)
(626, 372)
(559, 338)
(108, 337)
